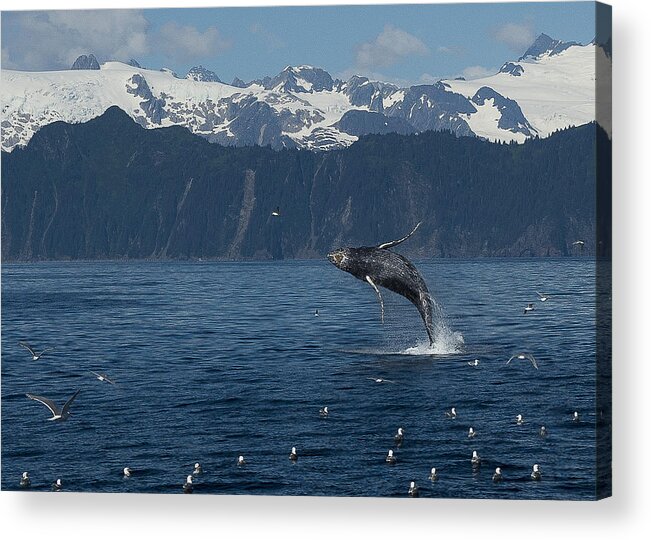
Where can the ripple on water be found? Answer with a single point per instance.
(214, 360)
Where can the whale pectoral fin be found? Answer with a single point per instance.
(368, 278)
(388, 245)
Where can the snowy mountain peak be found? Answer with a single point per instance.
(302, 106)
(85, 62)
(201, 74)
(546, 45)
(169, 72)
(300, 79)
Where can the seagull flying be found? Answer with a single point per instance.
(57, 414)
(524, 356)
(102, 377)
(380, 380)
(452, 413)
(35, 355)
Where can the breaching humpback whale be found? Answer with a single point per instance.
(380, 267)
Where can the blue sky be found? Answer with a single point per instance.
(401, 43)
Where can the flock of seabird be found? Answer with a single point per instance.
(475, 460)
(62, 414)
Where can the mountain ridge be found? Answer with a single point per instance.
(109, 189)
(303, 106)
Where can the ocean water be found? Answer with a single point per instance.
(216, 359)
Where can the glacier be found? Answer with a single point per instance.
(549, 88)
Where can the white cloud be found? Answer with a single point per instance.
(388, 48)
(53, 39)
(270, 39)
(451, 50)
(516, 36)
(427, 78)
(180, 42)
(477, 72)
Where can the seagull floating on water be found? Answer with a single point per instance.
(126, 472)
(452, 413)
(197, 469)
(433, 475)
(102, 377)
(575, 417)
(497, 476)
(35, 355)
(57, 414)
(293, 456)
(390, 457)
(474, 363)
(475, 460)
(543, 431)
(316, 313)
(57, 485)
(524, 356)
(519, 420)
(543, 297)
(413, 489)
(380, 380)
(323, 413)
(276, 212)
(528, 308)
(536, 473)
(241, 461)
(25, 481)
(399, 437)
(471, 433)
(187, 486)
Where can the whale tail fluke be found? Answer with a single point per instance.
(425, 309)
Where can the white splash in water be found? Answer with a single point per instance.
(446, 341)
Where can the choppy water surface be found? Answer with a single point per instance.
(214, 360)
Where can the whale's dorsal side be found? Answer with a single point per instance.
(393, 243)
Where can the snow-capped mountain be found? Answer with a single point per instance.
(550, 87)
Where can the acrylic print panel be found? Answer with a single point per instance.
(367, 257)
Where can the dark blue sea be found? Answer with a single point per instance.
(213, 360)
